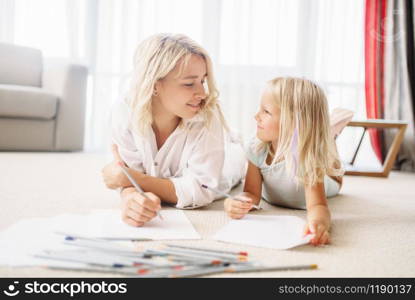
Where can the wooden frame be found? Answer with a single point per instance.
(393, 150)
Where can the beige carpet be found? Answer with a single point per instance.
(373, 232)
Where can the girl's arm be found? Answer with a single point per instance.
(252, 193)
(253, 183)
(318, 214)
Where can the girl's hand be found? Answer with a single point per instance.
(320, 231)
(112, 172)
(136, 210)
(318, 214)
(237, 209)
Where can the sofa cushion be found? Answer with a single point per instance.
(27, 102)
(20, 65)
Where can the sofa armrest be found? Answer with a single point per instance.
(69, 82)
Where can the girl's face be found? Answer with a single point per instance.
(183, 96)
(268, 118)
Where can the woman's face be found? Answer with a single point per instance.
(183, 96)
(268, 118)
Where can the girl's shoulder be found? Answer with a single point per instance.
(254, 152)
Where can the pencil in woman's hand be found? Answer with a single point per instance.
(135, 184)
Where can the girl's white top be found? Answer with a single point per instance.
(191, 156)
(278, 186)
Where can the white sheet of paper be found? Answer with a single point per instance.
(275, 232)
(174, 226)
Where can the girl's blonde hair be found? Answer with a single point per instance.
(154, 58)
(304, 139)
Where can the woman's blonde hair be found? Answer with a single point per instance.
(304, 141)
(154, 58)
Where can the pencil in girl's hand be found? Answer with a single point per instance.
(227, 195)
(135, 184)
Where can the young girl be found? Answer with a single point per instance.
(169, 130)
(293, 160)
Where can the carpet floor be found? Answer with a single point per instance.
(373, 219)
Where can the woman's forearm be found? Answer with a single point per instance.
(163, 188)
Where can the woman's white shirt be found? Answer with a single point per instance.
(191, 156)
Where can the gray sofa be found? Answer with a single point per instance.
(42, 101)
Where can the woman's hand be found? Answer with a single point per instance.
(238, 209)
(136, 209)
(112, 173)
(320, 230)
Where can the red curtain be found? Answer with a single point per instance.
(375, 18)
